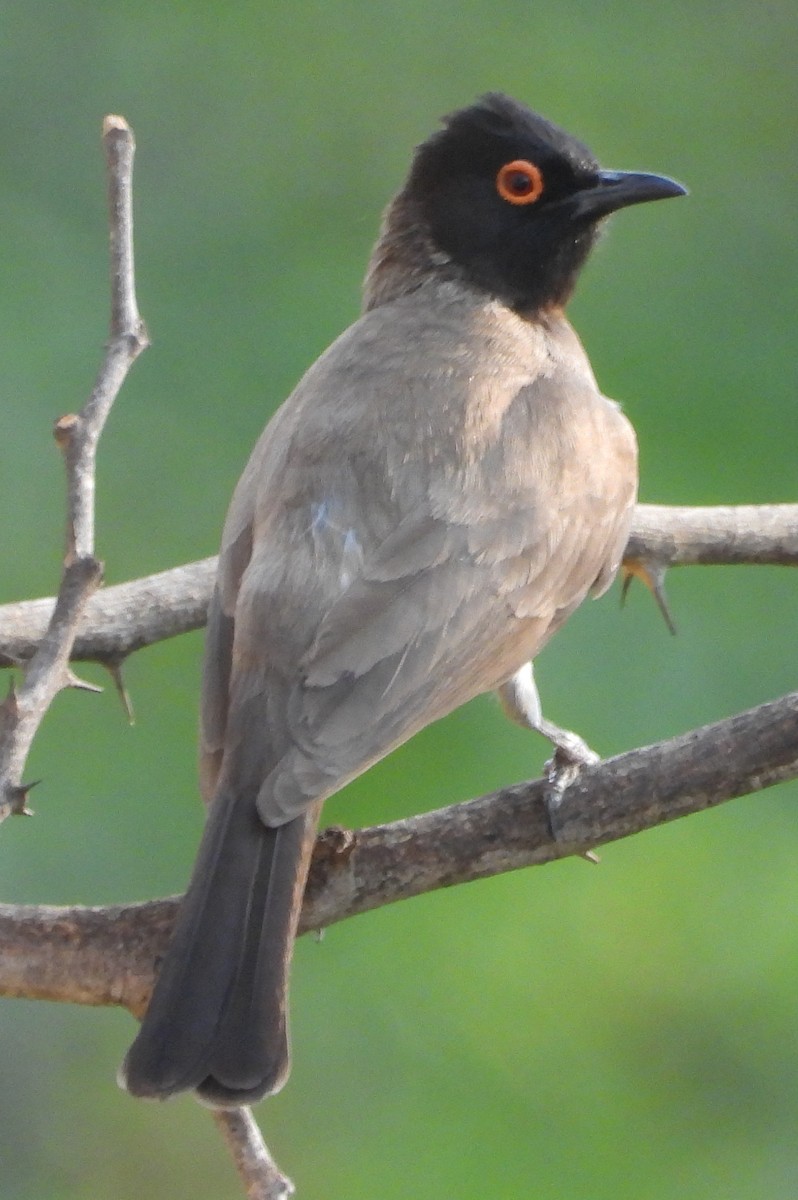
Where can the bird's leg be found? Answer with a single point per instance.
(521, 702)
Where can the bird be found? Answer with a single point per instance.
(443, 488)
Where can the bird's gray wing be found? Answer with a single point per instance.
(442, 611)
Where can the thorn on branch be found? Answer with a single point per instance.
(114, 669)
(651, 573)
(17, 799)
(74, 681)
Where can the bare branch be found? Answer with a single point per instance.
(46, 672)
(124, 618)
(108, 955)
(78, 435)
(262, 1178)
(723, 534)
(117, 620)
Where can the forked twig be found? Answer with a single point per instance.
(45, 665)
(77, 435)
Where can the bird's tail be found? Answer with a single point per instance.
(217, 1018)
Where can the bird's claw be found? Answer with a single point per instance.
(571, 756)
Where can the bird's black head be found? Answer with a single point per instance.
(511, 203)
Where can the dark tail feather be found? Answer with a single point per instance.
(217, 1018)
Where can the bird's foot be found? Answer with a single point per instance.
(571, 755)
(565, 766)
(520, 700)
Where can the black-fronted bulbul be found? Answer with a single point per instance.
(442, 489)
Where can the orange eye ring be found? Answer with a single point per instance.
(519, 182)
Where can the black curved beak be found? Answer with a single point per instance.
(618, 189)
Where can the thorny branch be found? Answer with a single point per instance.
(45, 660)
(129, 616)
(107, 956)
(46, 672)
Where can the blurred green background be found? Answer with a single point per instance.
(577, 1033)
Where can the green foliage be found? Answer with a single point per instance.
(569, 1034)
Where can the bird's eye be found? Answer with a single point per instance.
(519, 182)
